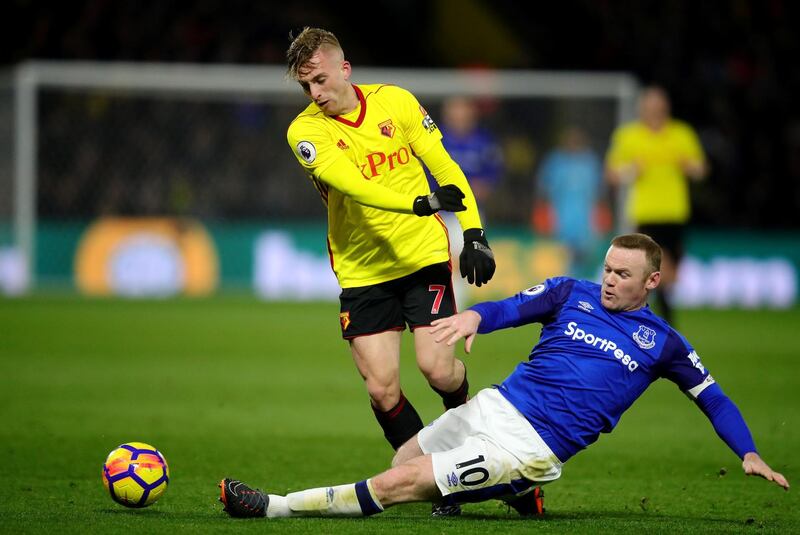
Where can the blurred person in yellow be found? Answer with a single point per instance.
(656, 156)
(361, 145)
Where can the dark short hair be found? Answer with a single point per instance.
(642, 242)
(304, 46)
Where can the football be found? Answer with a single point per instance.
(135, 474)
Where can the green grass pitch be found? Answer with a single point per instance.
(268, 393)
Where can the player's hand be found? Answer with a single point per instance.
(447, 198)
(694, 169)
(451, 329)
(476, 260)
(754, 465)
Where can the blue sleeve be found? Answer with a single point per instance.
(727, 420)
(682, 365)
(537, 304)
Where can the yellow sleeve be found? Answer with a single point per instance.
(425, 139)
(345, 177)
(692, 148)
(316, 151)
(421, 132)
(446, 171)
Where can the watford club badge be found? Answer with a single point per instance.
(387, 128)
(344, 319)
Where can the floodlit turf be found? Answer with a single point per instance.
(267, 393)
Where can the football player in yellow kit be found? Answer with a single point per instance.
(361, 146)
(657, 156)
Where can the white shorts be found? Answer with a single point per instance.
(486, 449)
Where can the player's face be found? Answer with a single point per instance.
(626, 279)
(654, 108)
(326, 81)
(460, 115)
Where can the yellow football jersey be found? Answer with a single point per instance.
(365, 166)
(660, 192)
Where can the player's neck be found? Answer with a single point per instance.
(350, 102)
(655, 125)
(636, 306)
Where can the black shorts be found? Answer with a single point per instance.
(669, 236)
(416, 299)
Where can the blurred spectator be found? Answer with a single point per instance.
(473, 147)
(655, 157)
(477, 153)
(568, 200)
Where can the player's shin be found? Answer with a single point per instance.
(399, 423)
(354, 499)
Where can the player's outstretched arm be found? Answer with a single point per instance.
(754, 465)
(344, 176)
(731, 427)
(462, 325)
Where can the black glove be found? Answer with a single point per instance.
(476, 260)
(447, 198)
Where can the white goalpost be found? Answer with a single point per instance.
(228, 83)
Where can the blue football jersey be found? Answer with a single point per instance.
(590, 364)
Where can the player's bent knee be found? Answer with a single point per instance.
(383, 396)
(441, 376)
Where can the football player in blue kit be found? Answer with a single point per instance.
(599, 350)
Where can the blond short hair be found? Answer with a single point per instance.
(305, 45)
(641, 242)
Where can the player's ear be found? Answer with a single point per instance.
(347, 70)
(652, 280)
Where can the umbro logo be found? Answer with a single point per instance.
(583, 305)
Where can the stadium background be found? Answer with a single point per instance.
(728, 67)
(66, 381)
